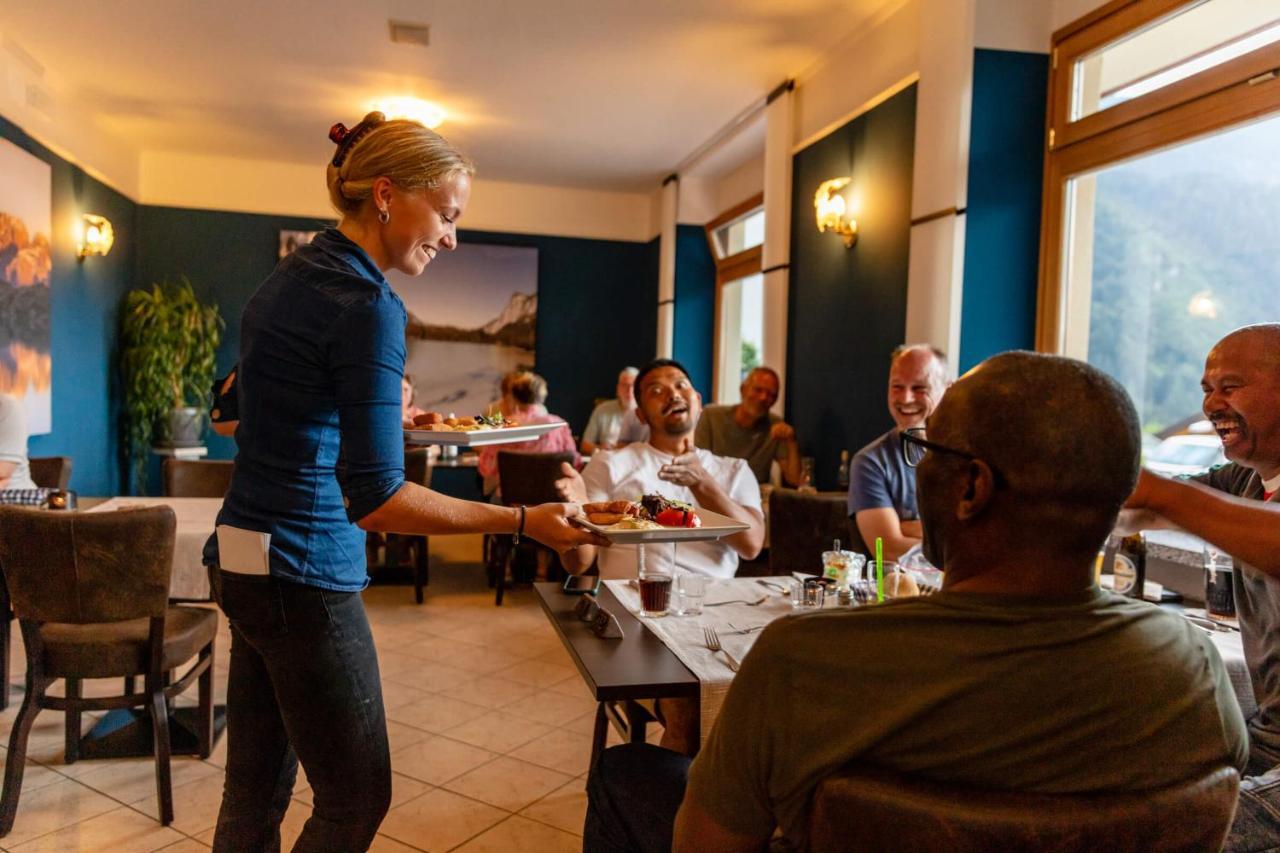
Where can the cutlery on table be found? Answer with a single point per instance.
(758, 601)
(713, 643)
(774, 586)
(751, 630)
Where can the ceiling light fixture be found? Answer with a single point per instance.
(415, 109)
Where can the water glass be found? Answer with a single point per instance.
(815, 592)
(1219, 592)
(795, 592)
(691, 590)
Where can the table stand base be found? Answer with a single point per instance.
(126, 733)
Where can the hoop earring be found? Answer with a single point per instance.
(384, 215)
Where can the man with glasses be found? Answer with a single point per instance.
(882, 490)
(1019, 675)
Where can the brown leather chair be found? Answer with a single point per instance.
(50, 472)
(197, 478)
(803, 525)
(417, 469)
(873, 810)
(523, 478)
(91, 593)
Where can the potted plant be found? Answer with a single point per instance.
(168, 342)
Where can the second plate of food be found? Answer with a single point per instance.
(480, 437)
(714, 526)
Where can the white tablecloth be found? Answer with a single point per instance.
(196, 518)
(683, 635)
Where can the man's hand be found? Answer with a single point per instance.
(685, 471)
(571, 487)
(783, 431)
(549, 524)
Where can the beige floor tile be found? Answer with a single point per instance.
(422, 674)
(491, 691)
(437, 714)
(520, 835)
(53, 807)
(386, 844)
(498, 731)
(561, 749)
(121, 830)
(400, 736)
(397, 695)
(508, 783)
(538, 673)
(132, 779)
(190, 845)
(438, 759)
(554, 709)
(573, 687)
(195, 805)
(586, 724)
(439, 820)
(564, 808)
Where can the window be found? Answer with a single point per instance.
(1160, 205)
(736, 238)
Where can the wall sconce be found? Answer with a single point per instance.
(829, 209)
(96, 236)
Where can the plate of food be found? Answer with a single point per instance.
(437, 428)
(655, 518)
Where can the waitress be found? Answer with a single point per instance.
(322, 354)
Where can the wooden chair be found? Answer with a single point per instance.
(91, 593)
(803, 525)
(523, 478)
(51, 472)
(873, 810)
(197, 478)
(417, 469)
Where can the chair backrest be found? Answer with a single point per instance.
(803, 525)
(530, 478)
(50, 472)
(417, 466)
(197, 478)
(873, 810)
(83, 567)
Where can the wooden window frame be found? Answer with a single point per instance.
(1217, 98)
(730, 268)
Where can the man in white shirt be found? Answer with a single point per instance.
(669, 464)
(614, 423)
(14, 472)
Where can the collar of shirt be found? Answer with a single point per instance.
(334, 243)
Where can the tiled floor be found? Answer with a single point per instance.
(489, 723)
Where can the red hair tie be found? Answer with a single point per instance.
(338, 133)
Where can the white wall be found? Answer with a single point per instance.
(1066, 11)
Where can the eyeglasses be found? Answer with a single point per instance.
(914, 447)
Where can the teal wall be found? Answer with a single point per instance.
(84, 298)
(1002, 228)
(848, 307)
(693, 339)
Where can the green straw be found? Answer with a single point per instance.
(879, 569)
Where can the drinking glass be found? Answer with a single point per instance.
(1219, 593)
(795, 592)
(815, 592)
(691, 590)
(655, 593)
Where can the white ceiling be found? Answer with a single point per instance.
(608, 94)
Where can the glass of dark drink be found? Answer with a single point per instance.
(1219, 593)
(655, 593)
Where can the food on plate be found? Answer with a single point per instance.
(650, 512)
(437, 422)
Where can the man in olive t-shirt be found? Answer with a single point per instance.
(1019, 675)
(750, 431)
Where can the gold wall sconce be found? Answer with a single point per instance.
(96, 236)
(831, 211)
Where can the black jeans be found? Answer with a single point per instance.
(633, 794)
(303, 686)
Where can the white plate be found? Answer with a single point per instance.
(480, 437)
(714, 526)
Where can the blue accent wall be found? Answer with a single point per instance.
(848, 307)
(1002, 228)
(84, 298)
(693, 341)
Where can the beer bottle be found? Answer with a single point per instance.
(1131, 565)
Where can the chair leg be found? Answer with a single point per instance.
(72, 749)
(160, 730)
(130, 685)
(419, 568)
(600, 734)
(206, 703)
(6, 635)
(16, 760)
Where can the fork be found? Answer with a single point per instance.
(713, 643)
(758, 601)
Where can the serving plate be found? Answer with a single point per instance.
(714, 526)
(480, 437)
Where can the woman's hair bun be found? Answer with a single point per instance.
(375, 117)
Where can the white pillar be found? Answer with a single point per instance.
(776, 253)
(667, 268)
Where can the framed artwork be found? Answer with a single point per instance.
(26, 264)
(473, 316)
(290, 240)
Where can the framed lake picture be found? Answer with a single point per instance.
(26, 264)
(472, 318)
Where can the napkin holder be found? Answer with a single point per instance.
(601, 622)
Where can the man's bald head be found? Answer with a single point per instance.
(1261, 340)
(1241, 384)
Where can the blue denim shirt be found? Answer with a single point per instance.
(322, 351)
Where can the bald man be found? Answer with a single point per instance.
(882, 491)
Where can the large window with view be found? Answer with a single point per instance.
(736, 239)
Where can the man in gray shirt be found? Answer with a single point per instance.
(14, 471)
(614, 423)
(749, 431)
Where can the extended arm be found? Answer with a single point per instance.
(894, 533)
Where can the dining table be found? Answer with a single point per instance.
(196, 519)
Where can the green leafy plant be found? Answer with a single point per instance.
(168, 342)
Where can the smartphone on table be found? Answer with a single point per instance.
(579, 584)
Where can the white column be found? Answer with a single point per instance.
(776, 253)
(667, 268)
(941, 173)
